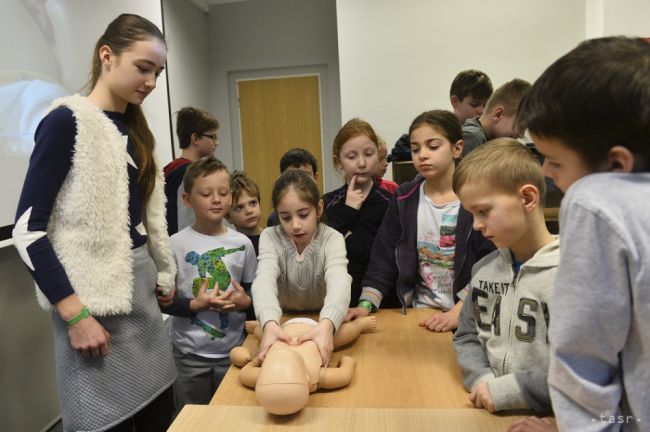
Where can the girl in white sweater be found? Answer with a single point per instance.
(302, 266)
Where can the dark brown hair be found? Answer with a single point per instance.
(190, 120)
(472, 83)
(442, 121)
(120, 34)
(593, 98)
(296, 158)
(298, 181)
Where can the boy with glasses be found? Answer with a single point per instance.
(197, 137)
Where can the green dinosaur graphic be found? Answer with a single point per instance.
(209, 264)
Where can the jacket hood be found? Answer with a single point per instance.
(405, 190)
(547, 256)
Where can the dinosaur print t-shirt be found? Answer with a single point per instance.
(219, 258)
(436, 244)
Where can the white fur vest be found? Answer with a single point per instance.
(89, 225)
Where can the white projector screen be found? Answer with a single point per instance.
(47, 49)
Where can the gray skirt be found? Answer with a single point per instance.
(96, 394)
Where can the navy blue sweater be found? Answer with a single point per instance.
(49, 165)
(359, 228)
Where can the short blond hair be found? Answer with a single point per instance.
(504, 164)
(508, 96)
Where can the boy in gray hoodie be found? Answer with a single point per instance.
(502, 339)
(589, 115)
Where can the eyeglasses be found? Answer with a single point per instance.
(213, 137)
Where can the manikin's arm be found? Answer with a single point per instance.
(332, 378)
(350, 331)
(249, 373)
(347, 333)
(240, 356)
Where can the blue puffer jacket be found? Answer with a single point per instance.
(393, 269)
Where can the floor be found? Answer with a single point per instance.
(57, 427)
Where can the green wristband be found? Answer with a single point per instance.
(85, 313)
(366, 305)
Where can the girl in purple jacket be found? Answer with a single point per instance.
(425, 248)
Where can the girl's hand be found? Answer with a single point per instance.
(89, 337)
(356, 195)
(323, 336)
(213, 300)
(354, 313)
(272, 333)
(239, 298)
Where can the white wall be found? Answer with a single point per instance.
(259, 36)
(627, 17)
(618, 17)
(398, 59)
(188, 57)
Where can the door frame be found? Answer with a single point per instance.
(327, 171)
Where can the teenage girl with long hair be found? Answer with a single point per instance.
(91, 229)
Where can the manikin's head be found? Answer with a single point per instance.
(283, 384)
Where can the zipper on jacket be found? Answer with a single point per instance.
(397, 261)
(399, 272)
(400, 209)
(462, 263)
(513, 286)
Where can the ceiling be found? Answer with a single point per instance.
(204, 5)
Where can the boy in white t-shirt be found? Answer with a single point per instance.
(216, 266)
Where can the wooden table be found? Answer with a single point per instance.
(254, 418)
(403, 373)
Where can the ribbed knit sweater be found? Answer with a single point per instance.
(316, 280)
